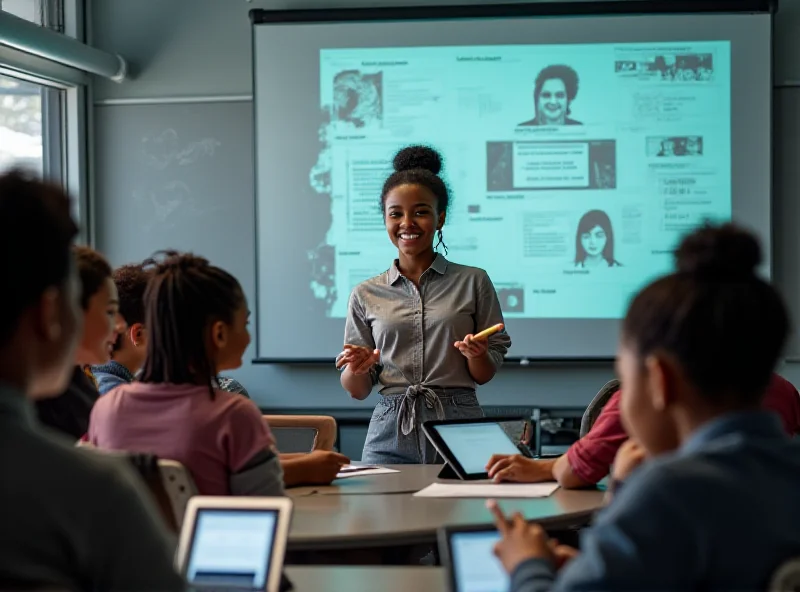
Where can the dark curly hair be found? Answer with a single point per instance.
(93, 269)
(38, 220)
(418, 165)
(715, 316)
(131, 281)
(566, 74)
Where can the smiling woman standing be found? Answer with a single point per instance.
(411, 328)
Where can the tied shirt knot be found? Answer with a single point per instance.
(407, 416)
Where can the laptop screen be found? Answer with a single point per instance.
(231, 548)
(473, 444)
(475, 568)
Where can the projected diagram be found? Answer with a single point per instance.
(357, 98)
(574, 169)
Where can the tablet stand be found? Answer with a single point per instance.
(286, 584)
(447, 472)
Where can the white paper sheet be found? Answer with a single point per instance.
(362, 471)
(488, 490)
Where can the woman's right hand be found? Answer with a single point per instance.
(358, 359)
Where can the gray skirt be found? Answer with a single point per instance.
(395, 431)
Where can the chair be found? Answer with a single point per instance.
(303, 433)
(179, 485)
(161, 477)
(596, 406)
(147, 466)
(787, 577)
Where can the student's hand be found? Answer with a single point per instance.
(519, 541)
(322, 466)
(358, 359)
(515, 468)
(629, 456)
(562, 554)
(472, 348)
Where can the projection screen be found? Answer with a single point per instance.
(578, 151)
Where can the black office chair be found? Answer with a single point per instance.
(596, 406)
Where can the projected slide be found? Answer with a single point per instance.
(574, 169)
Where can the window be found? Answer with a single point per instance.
(24, 141)
(43, 103)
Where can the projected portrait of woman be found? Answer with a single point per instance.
(554, 91)
(594, 241)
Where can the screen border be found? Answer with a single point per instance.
(435, 438)
(444, 536)
(284, 17)
(281, 506)
(260, 16)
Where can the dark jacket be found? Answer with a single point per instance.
(69, 412)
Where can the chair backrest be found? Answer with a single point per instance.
(596, 406)
(787, 577)
(295, 439)
(147, 466)
(303, 433)
(179, 485)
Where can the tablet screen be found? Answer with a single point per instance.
(232, 548)
(473, 444)
(475, 568)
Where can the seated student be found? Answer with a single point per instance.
(197, 316)
(69, 413)
(70, 520)
(129, 349)
(715, 507)
(589, 460)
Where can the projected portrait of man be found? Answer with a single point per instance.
(554, 91)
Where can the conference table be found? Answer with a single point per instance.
(368, 512)
(366, 579)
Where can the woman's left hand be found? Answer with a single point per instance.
(472, 348)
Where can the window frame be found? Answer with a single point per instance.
(65, 108)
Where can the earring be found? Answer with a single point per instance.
(440, 241)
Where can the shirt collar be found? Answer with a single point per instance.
(14, 403)
(115, 369)
(439, 265)
(749, 424)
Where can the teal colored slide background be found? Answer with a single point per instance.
(670, 125)
(646, 142)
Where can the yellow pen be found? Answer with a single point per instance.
(490, 331)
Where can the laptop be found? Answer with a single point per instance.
(234, 544)
(467, 554)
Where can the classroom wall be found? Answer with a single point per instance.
(171, 174)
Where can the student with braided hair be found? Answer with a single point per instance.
(130, 347)
(197, 320)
